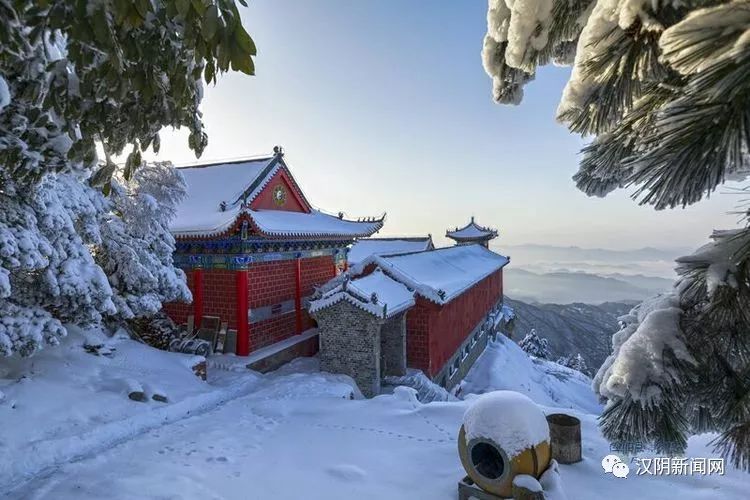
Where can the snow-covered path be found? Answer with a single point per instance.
(296, 438)
(298, 435)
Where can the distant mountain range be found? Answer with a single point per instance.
(545, 258)
(571, 328)
(562, 253)
(573, 296)
(569, 287)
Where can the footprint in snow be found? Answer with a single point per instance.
(347, 472)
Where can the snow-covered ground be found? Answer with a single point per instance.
(503, 366)
(286, 435)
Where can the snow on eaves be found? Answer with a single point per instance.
(283, 223)
(315, 223)
(210, 185)
(216, 194)
(438, 275)
(375, 293)
(472, 230)
(364, 248)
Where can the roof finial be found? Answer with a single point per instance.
(278, 150)
(472, 219)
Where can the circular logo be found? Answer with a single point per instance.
(279, 195)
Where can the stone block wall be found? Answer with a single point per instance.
(417, 338)
(307, 347)
(350, 344)
(393, 346)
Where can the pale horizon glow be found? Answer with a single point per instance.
(384, 107)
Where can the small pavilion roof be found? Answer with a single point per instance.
(366, 247)
(375, 293)
(219, 196)
(472, 231)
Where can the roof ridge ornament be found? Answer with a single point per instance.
(278, 150)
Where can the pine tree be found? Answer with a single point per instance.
(83, 240)
(534, 345)
(575, 363)
(664, 90)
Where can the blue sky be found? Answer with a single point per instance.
(384, 106)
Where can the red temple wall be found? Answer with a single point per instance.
(265, 199)
(435, 332)
(274, 282)
(220, 295)
(269, 283)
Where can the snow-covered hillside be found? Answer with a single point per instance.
(572, 328)
(290, 434)
(504, 366)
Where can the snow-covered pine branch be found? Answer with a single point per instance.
(137, 247)
(81, 240)
(663, 89)
(646, 78)
(71, 254)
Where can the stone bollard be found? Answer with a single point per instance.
(527, 488)
(200, 369)
(565, 438)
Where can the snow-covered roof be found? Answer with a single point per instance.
(439, 275)
(315, 223)
(387, 246)
(375, 293)
(208, 186)
(219, 194)
(472, 231)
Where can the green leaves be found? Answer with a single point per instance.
(210, 22)
(132, 163)
(210, 71)
(129, 68)
(242, 62)
(104, 174)
(183, 7)
(244, 42)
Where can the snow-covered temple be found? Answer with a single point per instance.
(254, 248)
(387, 246)
(472, 233)
(432, 310)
